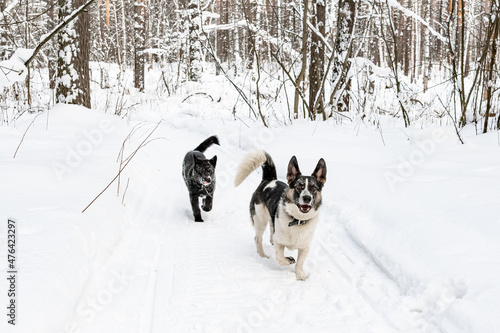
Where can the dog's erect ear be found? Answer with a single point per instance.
(293, 170)
(320, 172)
(213, 161)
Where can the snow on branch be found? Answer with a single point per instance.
(228, 26)
(14, 69)
(320, 35)
(409, 13)
(313, 28)
(45, 38)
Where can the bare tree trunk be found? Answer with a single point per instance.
(302, 73)
(52, 60)
(237, 38)
(343, 40)
(406, 46)
(393, 63)
(427, 45)
(117, 34)
(316, 69)
(65, 41)
(73, 81)
(491, 72)
(439, 44)
(249, 11)
(222, 34)
(139, 43)
(3, 33)
(124, 33)
(194, 66)
(81, 64)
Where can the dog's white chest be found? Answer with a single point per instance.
(297, 236)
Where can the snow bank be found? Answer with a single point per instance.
(58, 247)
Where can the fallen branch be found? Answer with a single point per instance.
(197, 93)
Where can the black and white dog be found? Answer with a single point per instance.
(292, 210)
(199, 175)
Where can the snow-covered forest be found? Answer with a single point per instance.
(426, 62)
(101, 100)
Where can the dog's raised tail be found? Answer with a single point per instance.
(207, 143)
(251, 162)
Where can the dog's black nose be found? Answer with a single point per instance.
(306, 198)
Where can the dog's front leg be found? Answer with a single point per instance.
(299, 271)
(207, 203)
(280, 255)
(195, 205)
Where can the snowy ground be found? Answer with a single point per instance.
(408, 239)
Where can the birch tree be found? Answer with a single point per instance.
(342, 47)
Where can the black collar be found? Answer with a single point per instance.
(297, 222)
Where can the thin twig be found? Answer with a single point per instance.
(197, 93)
(122, 150)
(125, 192)
(128, 159)
(454, 124)
(22, 139)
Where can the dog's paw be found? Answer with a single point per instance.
(206, 208)
(287, 261)
(263, 255)
(198, 219)
(291, 260)
(301, 276)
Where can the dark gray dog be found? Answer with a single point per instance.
(199, 176)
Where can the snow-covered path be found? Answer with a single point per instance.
(207, 277)
(398, 254)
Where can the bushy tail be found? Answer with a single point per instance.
(207, 143)
(251, 162)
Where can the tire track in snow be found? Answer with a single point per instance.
(130, 260)
(374, 283)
